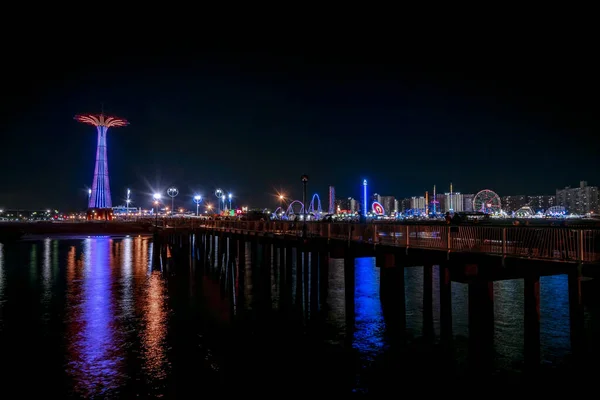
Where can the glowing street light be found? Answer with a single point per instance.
(304, 179)
(172, 192)
(230, 200)
(197, 200)
(219, 194)
(128, 201)
(157, 198)
(282, 202)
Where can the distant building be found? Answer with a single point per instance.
(579, 200)
(349, 205)
(468, 202)
(514, 203)
(405, 204)
(388, 204)
(417, 203)
(541, 203)
(536, 203)
(454, 202)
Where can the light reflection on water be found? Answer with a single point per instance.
(95, 354)
(369, 323)
(154, 333)
(118, 310)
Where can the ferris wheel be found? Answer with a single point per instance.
(486, 201)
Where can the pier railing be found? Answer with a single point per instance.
(553, 243)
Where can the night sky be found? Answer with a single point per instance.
(518, 118)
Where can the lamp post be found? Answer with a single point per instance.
(282, 199)
(172, 192)
(304, 182)
(197, 200)
(230, 195)
(156, 197)
(128, 201)
(219, 194)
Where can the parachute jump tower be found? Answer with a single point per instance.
(100, 203)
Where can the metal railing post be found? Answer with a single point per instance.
(448, 242)
(580, 245)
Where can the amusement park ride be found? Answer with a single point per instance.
(485, 201)
(100, 202)
(296, 210)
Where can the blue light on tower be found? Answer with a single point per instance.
(365, 197)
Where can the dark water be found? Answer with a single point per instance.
(106, 317)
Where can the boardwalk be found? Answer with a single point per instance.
(561, 244)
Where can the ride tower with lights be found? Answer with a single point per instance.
(100, 203)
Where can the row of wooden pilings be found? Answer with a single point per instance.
(224, 254)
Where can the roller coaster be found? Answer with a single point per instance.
(296, 208)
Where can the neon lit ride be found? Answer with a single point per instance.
(377, 208)
(487, 201)
(311, 207)
(290, 210)
(99, 199)
(365, 197)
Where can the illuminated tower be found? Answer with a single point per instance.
(434, 201)
(365, 197)
(331, 200)
(451, 205)
(100, 195)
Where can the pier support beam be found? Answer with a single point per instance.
(393, 298)
(576, 313)
(428, 332)
(445, 306)
(481, 326)
(323, 276)
(299, 258)
(265, 272)
(289, 278)
(532, 322)
(314, 284)
(349, 289)
(241, 271)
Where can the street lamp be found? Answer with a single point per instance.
(156, 197)
(197, 200)
(282, 201)
(304, 182)
(128, 201)
(219, 195)
(230, 201)
(172, 192)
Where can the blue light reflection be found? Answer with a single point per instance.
(369, 322)
(95, 362)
